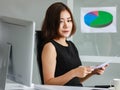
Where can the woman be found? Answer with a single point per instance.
(61, 64)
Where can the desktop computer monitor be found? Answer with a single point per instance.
(4, 58)
(19, 34)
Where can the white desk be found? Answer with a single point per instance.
(52, 87)
(10, 85)
(13, 86)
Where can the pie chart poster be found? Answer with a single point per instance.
(98, 20)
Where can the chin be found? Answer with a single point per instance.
(66, 36)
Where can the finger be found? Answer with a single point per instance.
(90, 69)
(107, 65)
(100, 72)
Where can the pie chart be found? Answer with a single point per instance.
(98, 19)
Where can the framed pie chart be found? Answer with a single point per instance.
(98, 19)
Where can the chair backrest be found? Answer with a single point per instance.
(39, 46)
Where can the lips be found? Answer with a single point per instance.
(66, 31)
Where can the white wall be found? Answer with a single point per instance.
(95, 48)
(26, 9)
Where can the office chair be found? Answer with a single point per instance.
(39, 46)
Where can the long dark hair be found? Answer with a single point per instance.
(52, 21)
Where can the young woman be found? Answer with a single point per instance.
(61, 64)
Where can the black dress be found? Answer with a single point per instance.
(67, 59)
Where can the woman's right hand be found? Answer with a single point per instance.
(83, 71)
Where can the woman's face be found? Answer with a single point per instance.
(66, 24)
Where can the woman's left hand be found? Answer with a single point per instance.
(99, 71)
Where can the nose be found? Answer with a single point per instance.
(65, 24)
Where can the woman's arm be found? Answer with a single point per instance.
(49, 64)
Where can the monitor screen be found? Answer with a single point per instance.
(4, 58)
(19, 34)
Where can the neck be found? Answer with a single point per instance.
(61, 41)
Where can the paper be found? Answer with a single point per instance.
(101, 65)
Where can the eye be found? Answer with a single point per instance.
(61, 21)
(70, 20)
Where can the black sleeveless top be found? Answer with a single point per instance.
(67, 59)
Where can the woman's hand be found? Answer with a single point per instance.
(83, 71)
(92, 72)
(99, 71)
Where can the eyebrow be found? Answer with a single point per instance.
(67, 18)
